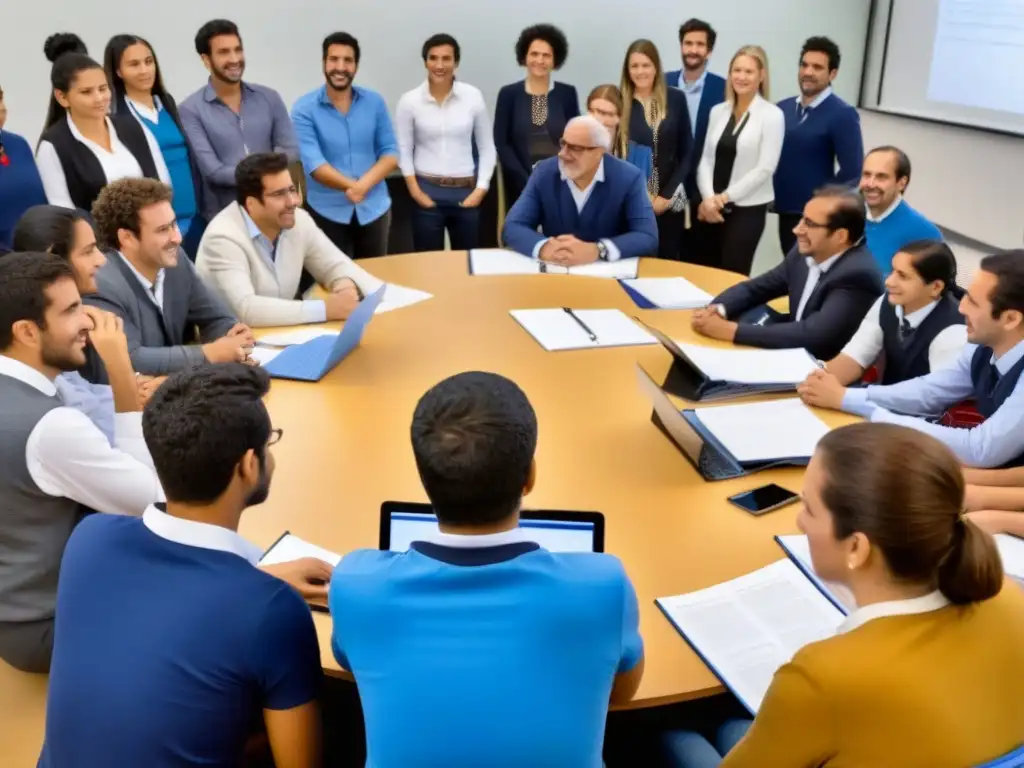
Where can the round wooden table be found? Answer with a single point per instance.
(346, 446)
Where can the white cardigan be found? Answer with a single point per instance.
(757, 153)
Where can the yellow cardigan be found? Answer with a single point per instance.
(929, 690)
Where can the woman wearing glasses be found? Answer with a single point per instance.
(605, 103)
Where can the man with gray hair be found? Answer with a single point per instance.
(584, 205)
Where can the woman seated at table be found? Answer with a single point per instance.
(927, 671)
(531, 114)
(20, 185)
(82, 149)
(605, 103)
(656, 116)
(916, 327)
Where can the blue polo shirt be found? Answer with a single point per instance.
(352, 144)
(499, 655)
(168, 646)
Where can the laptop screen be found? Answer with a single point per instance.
(401, 525)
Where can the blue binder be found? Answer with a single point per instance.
(638, 298)
(317, 357)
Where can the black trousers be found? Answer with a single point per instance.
(355, 240)
(731, 245)
(787, 223)
(27, 645)
(670, 235)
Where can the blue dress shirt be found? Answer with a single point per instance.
(998, 440)
(693, 92)
(94, 400)
(352, 144)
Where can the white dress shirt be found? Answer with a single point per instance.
(477, 541)
(933, 601)
(866, 345)
(436, 138)
(68, 456)
(155, 290)
(814, 273)
(580, 197)
(886, 213)
(803, 111)
(193, 533)
(119, 163)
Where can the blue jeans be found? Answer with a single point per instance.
(687, 749)
(429, 224)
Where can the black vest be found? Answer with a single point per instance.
(991, 389)
(907, 358)
(82, 168)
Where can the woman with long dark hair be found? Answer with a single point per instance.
(83, 148)
(138, 90)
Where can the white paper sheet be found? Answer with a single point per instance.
(293, 548)
(264, 355)
(749, 627)
(751, 366)
(498, 261)
(555, 329)
(670, 292)
(798, 546)
(755, 432)
(399, 296)
(616, 270)
(1011, 549)
(295, 336)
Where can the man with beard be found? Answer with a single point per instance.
(348, 148)
(892, 223)
(613, 215)
(150, 284)
(172, 647)
(255, 250)
(55, 460)
(228, 118)
(821, 131)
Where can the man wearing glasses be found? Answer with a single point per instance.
(830, 279)
(254, 251)
(584, 205)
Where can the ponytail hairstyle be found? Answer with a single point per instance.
(904, 491)
(934, 260)
(613, 96)
(69, 56)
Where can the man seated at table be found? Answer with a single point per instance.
(587, 204)
(830, 278)
(150, 283)
(56, 462)
(988, 372)
(171, 645)
(480, 647)
(254, 251)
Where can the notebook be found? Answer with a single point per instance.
(751, 433)
(498, 261)
(665, 293)
(289, 547)
(563, 329)
(313, 359)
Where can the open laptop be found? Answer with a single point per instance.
(314, 359)
(402, 523)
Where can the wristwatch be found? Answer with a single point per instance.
(602, 251)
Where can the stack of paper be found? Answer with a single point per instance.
(558, 329)
(289, 548)
(745, 629)
(497, 261)
(670, 292)
(751, 366)
(760, 432)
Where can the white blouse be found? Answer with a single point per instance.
(119, 163)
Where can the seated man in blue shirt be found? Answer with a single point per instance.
(480, 647)
(587, 204)
(170, 645)
(348, 148)
(987, 372)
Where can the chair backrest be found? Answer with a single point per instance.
(1013, 760)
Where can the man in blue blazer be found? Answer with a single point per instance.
(587, 204)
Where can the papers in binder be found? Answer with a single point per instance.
(799, 550)
(753, 366)
(556, 329)
(750, 432)
(745, 629)
(290, 547)
(399, 296)
(670, 292)
(264, 355)
(296, 336)
(498, 261)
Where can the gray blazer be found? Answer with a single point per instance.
(158, 342)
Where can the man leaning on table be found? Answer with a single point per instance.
(587, 205)
(988, 372)
(254, 251)
(830, 278)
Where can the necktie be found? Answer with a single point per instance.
(906, 329)
(802, 112)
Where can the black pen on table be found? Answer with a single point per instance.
(584, 326)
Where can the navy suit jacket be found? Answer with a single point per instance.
(618, 209)
(833, 313)
(513, 126)
(713, 93)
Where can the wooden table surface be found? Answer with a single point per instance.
(346, 449)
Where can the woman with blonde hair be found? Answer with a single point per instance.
(656, 116)
(605, 104)
(742, 149)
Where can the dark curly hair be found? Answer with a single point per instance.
(551, 35)
(119, 203)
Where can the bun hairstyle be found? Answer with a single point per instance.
(904, 491)
(69, 56)
(934, 260)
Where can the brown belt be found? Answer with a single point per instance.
(457, 182)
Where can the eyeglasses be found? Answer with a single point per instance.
(810, 224)
(574, 149)
(275, 436)
(280, 194)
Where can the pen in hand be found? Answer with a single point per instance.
(584, 326)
